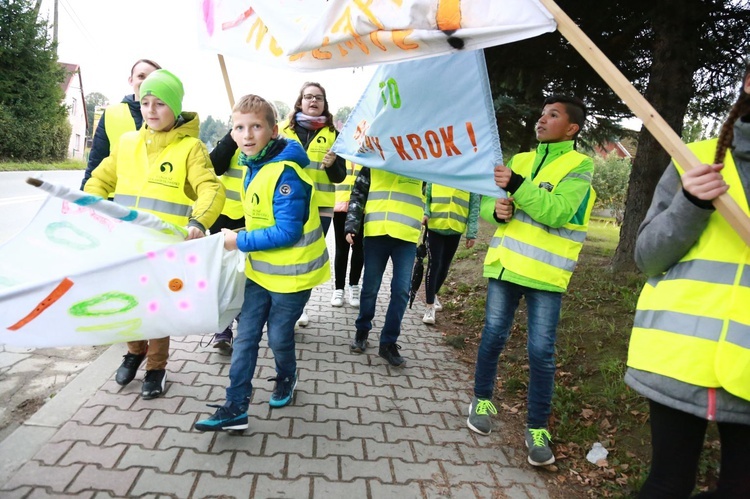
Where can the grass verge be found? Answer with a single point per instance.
(591, 402)
(10, 166)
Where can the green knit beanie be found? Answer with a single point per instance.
(165, 86)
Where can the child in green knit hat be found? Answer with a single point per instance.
(174, 180)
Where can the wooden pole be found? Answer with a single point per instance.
(655, 124)
(226, 80)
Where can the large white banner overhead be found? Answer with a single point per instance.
(326, 34)
(430, 119)
(77, 275)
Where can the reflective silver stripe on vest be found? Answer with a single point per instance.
(702, 271)
(309, 238)
(396, 196)
(738, 334)
(314, 165)
(695, 326)
(539, 254)
(577, 236)
(447, 200)
(343, 187)
(495, 241)
(583, 176)
(324, 187)
(454, 216)
(289, 270)
(234, 173)
(233, 195)
(380, 216)
(155, 205)
(745, 279)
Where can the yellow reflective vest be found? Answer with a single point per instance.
(316, 151)
(535, 250)
(158, 188)
(344, 189)
(118, 121)
(233, 180)
(395, 206)
(449, 209)
(301, 266)
(693, 322)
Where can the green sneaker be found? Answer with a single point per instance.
(479, 419)
(537, 441)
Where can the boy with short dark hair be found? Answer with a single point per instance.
(286, 257)
(541, 229)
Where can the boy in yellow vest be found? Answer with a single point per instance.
(286, 257)
(163, 168)
(541, 229)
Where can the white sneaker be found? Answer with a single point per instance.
(337, 300)
(354, 295)
(438, 306)
(303, 321)
(429, 315)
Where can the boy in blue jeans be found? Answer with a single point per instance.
(541, 229)
(286, 257)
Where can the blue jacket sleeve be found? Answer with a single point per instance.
(287, 208)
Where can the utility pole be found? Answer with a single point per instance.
(54, 27)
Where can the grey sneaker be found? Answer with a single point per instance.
(479, 420)
(537, 441)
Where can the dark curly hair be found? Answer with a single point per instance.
(741, 108)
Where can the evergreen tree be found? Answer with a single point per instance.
(33, 118)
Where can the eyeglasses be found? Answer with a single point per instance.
(319, 98)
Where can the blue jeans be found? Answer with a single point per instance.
(544, 313)
(280, 311)
(378, 249)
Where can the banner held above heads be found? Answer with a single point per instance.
(327, 34)
(447, 135)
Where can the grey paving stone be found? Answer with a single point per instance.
(138, 457)
(190, 460)
(510, 475)
(51, 452)
(145, 438)
(183, 439)
(118, 416)
(161, 419)
(34, 473)
(270, 487)
(302, 446)
(84, 453)
(324, 467)
(406, 471)
(351, 430)
(376, 450)
(246, 465)
(441, 452)
(411, 490)
(329, 447)
(164, 483)
(251, 443)
(213, 486)
(328, 429)
(88, 433)
(93, 478)
(325, 488)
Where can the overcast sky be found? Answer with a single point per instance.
(106, 38)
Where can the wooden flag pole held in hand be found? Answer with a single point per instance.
(226, 80)
(655, 124)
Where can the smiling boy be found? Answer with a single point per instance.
(286, 258)
(541, 229)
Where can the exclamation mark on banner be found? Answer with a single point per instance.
(470, 130)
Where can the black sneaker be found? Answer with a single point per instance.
(283, 391)
(226, 417)
(129, 367)
(389, 351)
(223, 341)
(154, 383)
(359, 343)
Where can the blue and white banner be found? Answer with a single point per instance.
(430, 119)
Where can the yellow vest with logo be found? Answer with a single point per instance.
(449, 209)
(157, 188)
(535, 250)
(301, 266)
(395, 206)
(344, 189)
(316, 151)
(118, 121)
(232, 180)
(692, 323)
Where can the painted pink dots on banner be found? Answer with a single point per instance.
(184, 305)
(144, 279)
(151, 255)
(202, 285)
(153, 306)
(192, 259)
(170, 254)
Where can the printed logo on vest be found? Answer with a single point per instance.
(166, 167)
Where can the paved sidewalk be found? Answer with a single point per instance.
(357, 428)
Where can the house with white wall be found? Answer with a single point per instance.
(72, 86)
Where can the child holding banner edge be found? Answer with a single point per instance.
(541, 229)
(164, 169)
(286, 258)
(689, 351)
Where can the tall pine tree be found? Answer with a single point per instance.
(33, 118)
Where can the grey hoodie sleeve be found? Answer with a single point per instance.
(672, 226)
